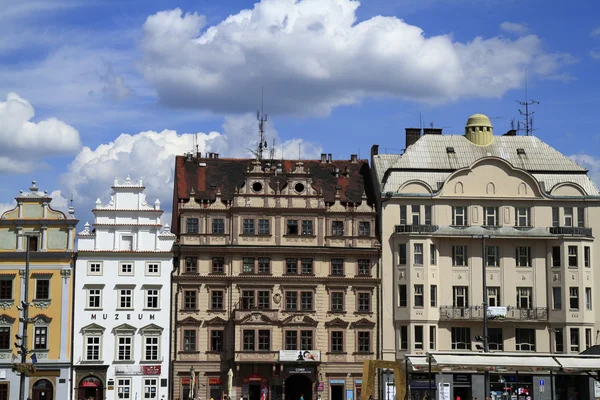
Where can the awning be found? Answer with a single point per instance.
(571, 364)
(419, 363)
(495, 363)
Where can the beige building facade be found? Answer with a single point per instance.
(276, 278)
(454, 208)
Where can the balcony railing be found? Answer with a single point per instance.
(416, 228)
(570, 230)
(474, 313)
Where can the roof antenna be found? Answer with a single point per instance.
(272, 152)
(299, 151)
(528, 115)
(420, 123)
(262, 118)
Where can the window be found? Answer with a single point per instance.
(490, 216)
(402, 215)
(6, 289)
(432, 254)
(291, 265)
(4, 391)
(459, 216)
(150, 388)
(247, 299)
(126, 269)
(433, 295)
(568, 217)
(337, 341)
(418, 337)
(306, 266)
(524, 297)
(459, 256)
(418, 253)
(151, 348)
(248, 227)
(419, 296)
(218, 265)
(364, 267)
(217, 298)
(364, 342)
(291, 340)
(263, 227)
(556, 298)
(403, 337)
(402, 254)
(492, 256)
(94, 268)
(189, 340)
(191, 264)
(152, 269)
(427, 215)
(461, 338)
(493, 296)
(364, 302)
(94, 298)
(588, 338)
(249, 339)
(192, 225)
(92, 348)
(523, 256)
(5, 338)
(42, 289)
(522, 216)
(306, 301)
(337, 228)
(124, 348)
(495, 339)
(124, 388)
(264, 299)
(432, 337)
(306, 340)
(337, 301)
(559, 345)
(586, 256)
(307, 227)
(264, 265)
(364, 228)
(292, 227)
(33, 243)
(189, 299)
(125, 298)
(248, 265)
(152, 297)
(291, 301)
(525, 339)
(580, 217)
(574, 334)
(460, 296)
(588, 298)
(218, 226)
(415, 215)
(574, 298)
(337, 266)
(402, 296)
(556, 262)
(264, 340)
(216, 340)
(555, 216)
(572, 256)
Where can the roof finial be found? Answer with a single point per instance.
(33, 187)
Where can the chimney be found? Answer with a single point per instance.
(374, 150)
(412, 135)
(354, 158)
(323, 158)
(432, 131)
(216, 155)
(512, 132)
(329, 157)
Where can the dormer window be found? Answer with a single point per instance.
(257, 187)
(521, 151)
(450, 150)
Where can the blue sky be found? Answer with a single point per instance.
(90, 90)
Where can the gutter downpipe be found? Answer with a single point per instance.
(174, 312)
(74, 275)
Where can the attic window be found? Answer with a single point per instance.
(212, 185)
(520, 151)
(257, 186)
(450, 150)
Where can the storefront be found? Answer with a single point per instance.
(336, 389)
(215, 388)
(90, 388)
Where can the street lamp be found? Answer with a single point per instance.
(25, 308)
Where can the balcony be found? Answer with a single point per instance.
(475, 313)
(424, 229)
(570, 231)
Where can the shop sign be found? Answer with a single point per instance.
(215, 381)
(305, 371)
(444, 390)
(337, 382)
(122, 317)
(358, 381)
(138, 370)
(349, 394)
(462, 378)
(185, 381)
(300, 355)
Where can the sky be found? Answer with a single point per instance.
(93, 90)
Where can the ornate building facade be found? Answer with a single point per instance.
(50, 299)
(122, 299)
(277, 278)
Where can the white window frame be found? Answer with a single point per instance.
(574, 342)
(148, 385)
(522, 346)
(415, 216)
(91, 265)
(151, 337)
(122, 264)
(86, 345)
(491, 212)
(418, 253)
(459, 213)
(492, 253)
(588, 298)
(523, 257)
(568, 216)
(460, 293)
(419, 291)
(457, 252)
(493, 296)
(527, 294)
(120, 295)
(523, 216)
(573, 256)
(151, 264)
(574, 294)
(123, 388)
(89, 297)
(126, 337)
(147, 296)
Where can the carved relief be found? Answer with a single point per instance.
(490, 188)
(522, 190)
(458, 188)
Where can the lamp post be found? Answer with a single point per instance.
(25, 308)
(486, 348)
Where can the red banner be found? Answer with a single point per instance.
(151, 369)
(215, 381)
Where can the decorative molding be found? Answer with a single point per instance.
(41, 304)
(6, 304)
(41, 319)
(7, 320)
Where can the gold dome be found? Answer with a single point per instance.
(479, 120)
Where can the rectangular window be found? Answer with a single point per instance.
(587, 256)
(522, 216)
(402, 296)
(248, 265)
(152, 269)
(6, 289)
(495, 339)
(588, 338)
(192, 225)
(5, 338)
(291, 340)
(574, 298)
(92, 348)
(364, 228)
(403, 337)
(427, 215)
(580, 217)
(419, 337)
(574, 334)
(523, 256)
(337, 266)
(189, 340)
(217, 298)
(490, 216)
(248, 227)
(419, 296)
(306, 301)
(460, 296)
(291, 301)
(418, 253)
(459, 216)
(525, 339)
(291, 266)
(524, 299)
(306, 266)
(556, 298)
(433, 295)
(573, 256)
(263, 299)
(126, 269)
(364, 302)
(150, 388)
(588, 298)
(559, 342)
(493, 296)
(125, 298)
(492, 256)
(249, 340)
(95, 268)
(461, 338)
(402, 215)
(247, 299)
(337, 341)
(218, 265)
(568, 217)
(124, 348)
(555, 216)
(432, 254)
(364, 342)
(292, 227)
(415, 215)
(264, 340)
(556, 257)
(264, 265)
(124, 388)
(402, 254)
(306, 340)
(94, 298)
(152, 296)
(459, 256)
(307, 227)
(218, 226)
(189, 299)
(263, 227)
(337, 228)
(364, 267)
(151, 348)
(191, 264)
(217, 337)
(337, 301)
(432, 338)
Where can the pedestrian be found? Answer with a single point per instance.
(302, 397)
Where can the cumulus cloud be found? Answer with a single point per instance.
(313, 55)
(514, 27)
(595, 54)
(7, 206)
(591, 163)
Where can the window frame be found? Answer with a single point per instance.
(187, 300)
(573, 258)
(556, 255)
(337, 228)
(574, 341)
(340, 346)
(403, 338)
(460, 338)
(91, 266)
(360, 307)
(264, 226)
(216, 340)
(459, 214)
(361, 346)
(458, 297)
(333, 301)
(41, 334)
(87, 345)
(150, 264)
(194, 223)
(362, 265)
(89, 296)
(123, 387)
(121, 295)
(574, 303)
(418, 330)
(307, 227)
(568, 216)
(524, 293)
(432, 337)
(217, 265)
(148, 296)
(123, 270)
(418, 293)
(337, 267)
(151, 336)
(418, 253)
(402, 296)
(47, 295)
(491, 214)
(432, 295)
(523, 217)
(456, 256)
(523, 254)
(248, 226)
(556, 297)
(218, 226)
(364, 228)
(186, 344)
(492, 253)
(402, 254)
(130, 337)
(191, 265)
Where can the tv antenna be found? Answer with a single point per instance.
(528, 115)
(262, 118)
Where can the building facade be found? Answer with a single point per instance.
(509, 210)
(50, 298)
(276, 280)
(122, 299)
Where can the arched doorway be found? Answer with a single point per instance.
(43, 390)
(298, 385)
(90, 388)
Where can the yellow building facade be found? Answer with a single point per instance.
(50, 299)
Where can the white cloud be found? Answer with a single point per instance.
(7, 206)
(313, 55)
(514, 27)
(114, 87)
(595, 54)
(595, 32)
(591, 163)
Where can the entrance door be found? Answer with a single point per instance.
(297, 386)
(337, 392)
(90, 388)
(254, 391)
(43, 390)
